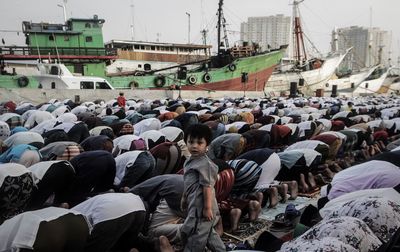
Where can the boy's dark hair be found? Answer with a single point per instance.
(199, 131)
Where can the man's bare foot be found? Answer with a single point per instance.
(219, 228)
(335, 167)
(273, 196)
(165, 246)
(365, 154)
(320, 180)
(254, 210)
(328, 173)
(311, 181)
(303, 187)
(260, 197)
(293, 189)
(371, 151)
(234, 217)
(283, 191)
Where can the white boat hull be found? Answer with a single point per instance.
(313, 79)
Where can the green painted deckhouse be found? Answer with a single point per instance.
(78, 43)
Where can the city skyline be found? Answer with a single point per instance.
(167, 21)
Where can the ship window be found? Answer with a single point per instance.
(54, 70)
(87, 25)
(139, 65)
(137, 47)
(142, 47)
(102, 85)
(87, 85)
(51, 38)
(89, 39)
(153, 48)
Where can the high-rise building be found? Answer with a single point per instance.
(371, 46)
(268, 32)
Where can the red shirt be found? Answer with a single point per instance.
(121, 101)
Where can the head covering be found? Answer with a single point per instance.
(4, 130)
(173, 134)
(126, 129)
(153, 138)
(381, 214)
(61, 151)
(247, 117)
(101, 142)
(22, 154)
(167, 116)
(167, 156)
(344, 230)
(145, 125)
(16, 188)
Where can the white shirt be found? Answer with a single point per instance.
(307, 144)
(39, 169)
(122, 161)
(37, 117)
(109, 206)
(21, 230)
(25, 137)
(371, 174)
(270, 169)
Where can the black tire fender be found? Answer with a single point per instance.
(192, 79)
(23, 81)
(232, 67)
(206, 77)
(159, 81)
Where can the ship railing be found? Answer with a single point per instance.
(27, 50)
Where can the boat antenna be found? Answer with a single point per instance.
(133, 20)
(55, 44)
(298, 32)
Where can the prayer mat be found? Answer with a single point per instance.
(247, 232)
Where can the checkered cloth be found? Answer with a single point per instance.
(14, 121)
(127, 129)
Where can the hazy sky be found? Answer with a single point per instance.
(167, 18)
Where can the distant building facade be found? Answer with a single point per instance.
(268, 32)
(371, 46)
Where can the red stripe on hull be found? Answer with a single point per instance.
(34, 57)
(256, 82)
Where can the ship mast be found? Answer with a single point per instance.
(299, 48)
(219, 24)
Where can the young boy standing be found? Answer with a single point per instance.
(199, 196)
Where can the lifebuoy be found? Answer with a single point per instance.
(133, 84)
(232, 67)
(207, 77)
(192, 79)
(159, 81)
(23, 81)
